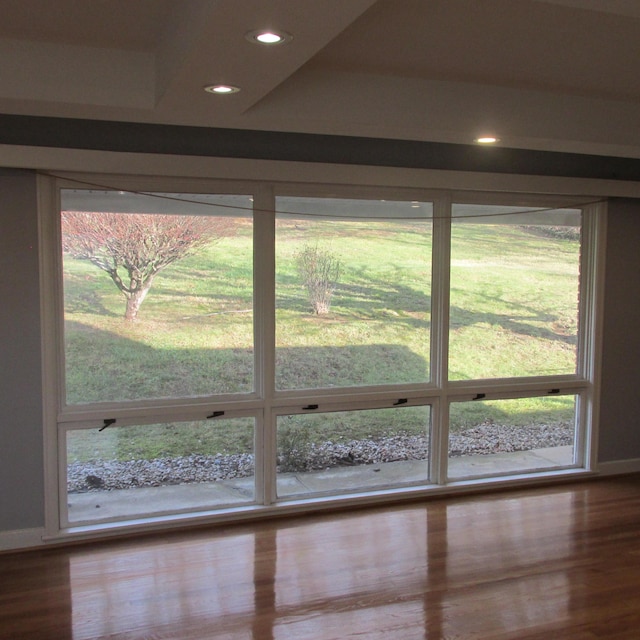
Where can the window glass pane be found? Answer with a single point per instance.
(157, 295)
(353, 283)
(127, 472)
(514, 292)
(350, 451)
(493, 437)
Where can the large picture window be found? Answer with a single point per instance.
(249, 347)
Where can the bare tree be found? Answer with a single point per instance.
(134, 247)
(319, 270)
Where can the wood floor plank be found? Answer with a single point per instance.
(555, 562)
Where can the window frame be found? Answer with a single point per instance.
(266, 402)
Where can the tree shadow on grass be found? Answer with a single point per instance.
(378, 299)
(520, 321)
(365, 300)
(346, 366)
(103, 366)
(87, 301)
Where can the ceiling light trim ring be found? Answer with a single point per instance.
(268, 37)
(487, 139)
(221, 89)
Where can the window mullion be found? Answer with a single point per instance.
(264, 332)
(441, 253)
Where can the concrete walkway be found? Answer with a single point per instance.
(144, 501)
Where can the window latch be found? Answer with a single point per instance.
(216, 414)
(310, 407)
(107, 423)
(401, 401)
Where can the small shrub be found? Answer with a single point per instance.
(319, 270)
(294, 446)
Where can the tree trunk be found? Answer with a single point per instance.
(134, 300)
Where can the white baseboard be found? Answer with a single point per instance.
(21, 539)
(619, 467)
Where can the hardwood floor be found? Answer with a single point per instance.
(549, 563)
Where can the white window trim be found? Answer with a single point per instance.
(266, 403)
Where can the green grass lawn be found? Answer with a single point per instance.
(514, 298)
(513, 313)
(377, 331)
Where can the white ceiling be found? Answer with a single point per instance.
(560, 75)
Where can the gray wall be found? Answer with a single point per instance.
(620, 398)
(21, 455)
(21, 450)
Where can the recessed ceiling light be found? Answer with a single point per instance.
(268, 37)
(221, 89)
(486, 140)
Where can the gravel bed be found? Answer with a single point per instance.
(479, 440)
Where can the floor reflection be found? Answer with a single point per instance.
(176, 589)
(465, 568)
